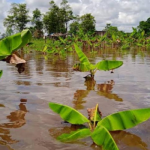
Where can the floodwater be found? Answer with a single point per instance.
(27, 123)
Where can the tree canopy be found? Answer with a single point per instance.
(18, 17)
(38, 25)
(85, 23)
(145, 26)
(57, 18)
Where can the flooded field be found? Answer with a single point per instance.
(27, 123)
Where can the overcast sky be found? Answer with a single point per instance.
(124, 14)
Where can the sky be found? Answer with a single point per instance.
(124, 14)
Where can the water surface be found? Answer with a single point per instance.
(27, 123)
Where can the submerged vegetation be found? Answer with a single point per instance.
(79, 40)
(99, 128)
(85, 65)
(9, 45)
(78, 44)
(1, 72)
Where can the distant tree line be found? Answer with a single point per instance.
(58, 19)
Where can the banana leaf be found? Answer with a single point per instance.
(81, 55)
(125, 119)
(114, 38)
(2, 57)
(108, 64)
(9, 44)
(97, 116)
(68, 114)
(62, 40)
(94, 114)
(84, 64)
(102, 137)
(45, 48)
(83, 67)
(75, 135)
(1, 72)
(14, 42)
(26, 37)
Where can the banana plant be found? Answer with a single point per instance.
(1, 72)
(13, 43)
(85, 64)
(99, 127)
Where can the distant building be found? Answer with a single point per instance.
(101, 33)
(57, 35)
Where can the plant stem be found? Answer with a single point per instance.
(90, 126)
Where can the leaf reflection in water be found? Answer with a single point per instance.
(67, 128)
(16, 59)
(104, 89)
(124, 140)
(21, 67)
(128, 140)
(78, 101)
(16, 120)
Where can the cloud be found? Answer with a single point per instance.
(4, 8)
(124, 14)
(74, 1)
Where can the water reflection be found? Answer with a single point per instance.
(123, 139)
(78, 101)
(89, 83)
(51, 74)
(67, 128)
(16, 120)
(20, 82)
(129, 140)
(104, 89)
(20, 67)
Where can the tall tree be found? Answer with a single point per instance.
(57, 18)
(87, 23)
(111, 29)
(38, 25)
(51, 19)
(74, 27)
(18, 17)
(145, 26)
(66, 12)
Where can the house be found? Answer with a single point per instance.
(101, 33)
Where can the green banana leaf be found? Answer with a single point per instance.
(81, 55)
(62, 40)
(108, 64)
(1, 72)
(94, 114)
(75, 135)
(102, 137)
(2, 57)
(45, 48)
(114, 38)
(84, 64)
(26, 37)
(125, 119)
(14, 42)
(68, 114)
(97, 116)
(9, 44)
(83, 67)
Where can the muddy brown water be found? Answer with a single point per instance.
(27, 123)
